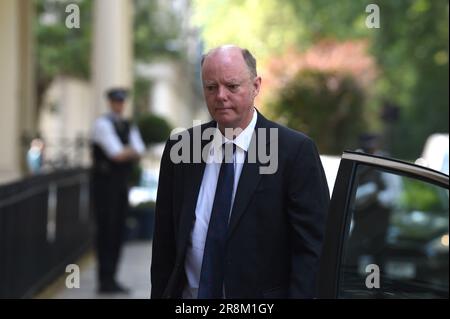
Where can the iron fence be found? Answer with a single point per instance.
(45, 224)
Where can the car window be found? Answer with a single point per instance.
(396, 242)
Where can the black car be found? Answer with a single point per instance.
(387, 233)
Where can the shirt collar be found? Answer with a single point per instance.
(242, 140)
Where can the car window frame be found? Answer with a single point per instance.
(341, 200)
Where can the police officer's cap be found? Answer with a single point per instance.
(117, 94)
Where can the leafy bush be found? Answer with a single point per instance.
(153, 128)
(326, 105)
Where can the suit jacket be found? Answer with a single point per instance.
(276, 226)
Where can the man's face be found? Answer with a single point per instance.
(229, 88)
(117, 106)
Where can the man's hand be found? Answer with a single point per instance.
(127, 154)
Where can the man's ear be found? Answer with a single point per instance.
(256, 86)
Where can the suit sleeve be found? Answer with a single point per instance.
(163, 247)
(307, 209)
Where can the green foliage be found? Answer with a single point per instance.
(264, 27)
(327, 19)
(410, 47)
(61, 50)
(419, 196)
(141, 95)
(135, 176)
(64, 51)
(269, 27)
(324, 105)
(156, 30)
(156, 36)
(430, 203)
(154, 129)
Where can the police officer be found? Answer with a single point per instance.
(116, 145)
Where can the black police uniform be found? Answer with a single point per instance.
(110, 190)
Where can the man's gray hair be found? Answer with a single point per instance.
(249, 59)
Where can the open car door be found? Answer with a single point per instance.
(387, 232)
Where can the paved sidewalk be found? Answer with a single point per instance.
(134, 273)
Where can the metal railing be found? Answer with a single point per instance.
(45, 224)
(59, 153)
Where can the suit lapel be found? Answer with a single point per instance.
(192, 179)
(248, 181)
(191, 186)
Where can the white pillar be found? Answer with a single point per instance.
(16, 84)
(112, 62)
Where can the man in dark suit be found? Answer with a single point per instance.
(233, 224)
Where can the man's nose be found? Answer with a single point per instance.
(221, 93)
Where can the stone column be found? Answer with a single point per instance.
(112, 62)
(16, 85)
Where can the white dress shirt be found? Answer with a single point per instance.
(106, 137)
(205, 200)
